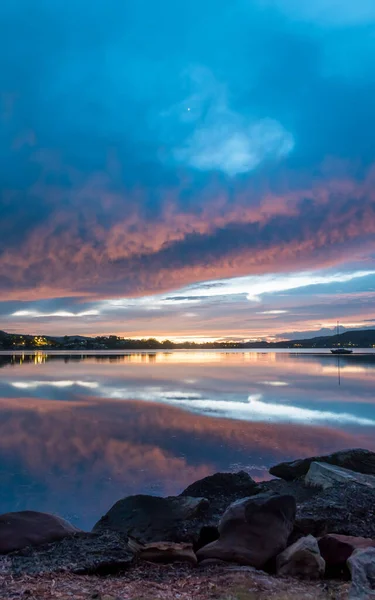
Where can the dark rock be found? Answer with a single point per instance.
(82, 553)
(297, 489)
(361, 461)
(154, 519)
(302, 559)
(253, 530)
(346, 508)
(29, 528)
(325, 476)
(222, 489)
(362, 568)
(336, 548)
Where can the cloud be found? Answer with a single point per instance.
(60, 313)
(256, 286)
(83, 250)
(233, 148)
(275, 383)
(221, 139)
(272, 312)
(218, 138)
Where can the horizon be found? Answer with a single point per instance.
(196, 340)
(164, 178)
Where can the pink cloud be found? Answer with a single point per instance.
(100, 243)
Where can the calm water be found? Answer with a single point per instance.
(79, 432)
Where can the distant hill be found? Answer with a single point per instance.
(70, 338)
(358, 338)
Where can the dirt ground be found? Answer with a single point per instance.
(154, 582)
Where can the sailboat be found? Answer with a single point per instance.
(340, 349)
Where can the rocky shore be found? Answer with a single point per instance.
(308, 533)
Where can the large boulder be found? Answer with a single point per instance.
(154, 519)
(346, 508)
(302, 559)
(30, 528)
(336, 548)
(101, 554)
(362, 568)
(325, 476)
(359, 460)
(253, 530)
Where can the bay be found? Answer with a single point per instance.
(80, 431)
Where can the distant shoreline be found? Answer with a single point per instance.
(359, 352)
(356, 340)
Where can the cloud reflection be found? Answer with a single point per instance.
(78, 459)
(257, 410)
(77, 433)
(33, 385)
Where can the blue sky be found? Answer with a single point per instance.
(151, 148)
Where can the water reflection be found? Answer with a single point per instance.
(78, 432)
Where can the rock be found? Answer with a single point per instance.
(82, 553)
(362, 568)
(336, 548)
(29, 528)
(346, 508)
(325, 476)
(253, 530)
(302, 559)
(221, 489)
(297, 488)
(168, 552)
(361, 461)
(153, 519)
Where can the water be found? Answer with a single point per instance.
(79, 432)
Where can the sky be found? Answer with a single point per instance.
(187, 169)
